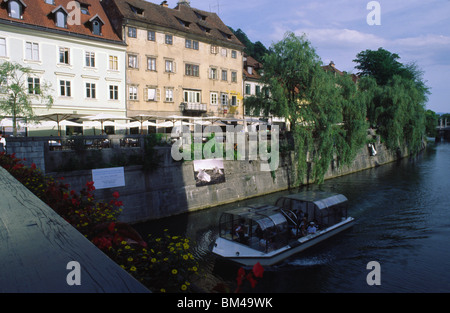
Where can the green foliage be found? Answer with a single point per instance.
(257, 50)
(17, 96)
(395, 96)
(325, 112)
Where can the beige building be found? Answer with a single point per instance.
(180, 61)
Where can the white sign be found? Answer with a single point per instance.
(108, 177)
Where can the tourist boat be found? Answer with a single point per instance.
(269, 234)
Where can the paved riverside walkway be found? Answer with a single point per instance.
(36, 246)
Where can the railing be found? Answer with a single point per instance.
(188, 106)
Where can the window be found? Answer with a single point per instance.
(64, 56)
(191, 44)
(84, 9)
(32, 51)
(248, 89)
(96, 28)
(132, 61)
(61, 19)
(192, 96)
(2, 47)
(170, 66)
(15, 9)
(234, 54)
(169, 39)
(90, 90)
(224, 75)
(213, 73)
(258, 90)
(169, 95)
(151, 64)
(113, 63)
(113, 92)
(151, 35)
(234, 101)
(90, 59)
(132, 33)
(152, 94)
(50, 2)
(65, 89)
(192, 70)
(34, 86)
(132, 93)
(214, 49)
(214, 98)
(234, 77)
(224, 52)
(224, 99)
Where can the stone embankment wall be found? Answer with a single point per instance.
(171, 189)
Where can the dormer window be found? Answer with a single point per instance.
(16, 8)
(96, 25)
(136, 10)
(60, 15)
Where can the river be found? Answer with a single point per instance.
(402, 213)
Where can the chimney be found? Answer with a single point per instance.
(164, 4)
(184, 2)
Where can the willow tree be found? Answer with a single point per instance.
(297, 88)
(396, 95)
(19, 88)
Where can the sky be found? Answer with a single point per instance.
(418, 31)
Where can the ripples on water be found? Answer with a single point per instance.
(403, 222)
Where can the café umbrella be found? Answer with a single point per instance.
(103, 117)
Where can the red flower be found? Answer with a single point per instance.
(33, 166)
(258, 270)
(116, 195)
(111, 227)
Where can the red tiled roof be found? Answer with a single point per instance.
(176, 18)
(39, 14)
(255, 65)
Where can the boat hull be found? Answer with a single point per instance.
(244, 255)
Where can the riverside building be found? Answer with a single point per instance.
(180, 61)
(70, 45)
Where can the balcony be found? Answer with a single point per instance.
(193, 107)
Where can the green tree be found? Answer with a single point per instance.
(19, 88)
(395, 96)
(319, 112)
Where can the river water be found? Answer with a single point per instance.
(402, 213)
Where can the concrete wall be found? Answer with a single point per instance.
(172, 189)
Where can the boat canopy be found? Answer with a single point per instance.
(262, 228)
(325, 208)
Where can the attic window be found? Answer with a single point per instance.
(205, 29)
(50, 2)
(200, 16)
(136, 10)
(16, 8)
(227, 36)
(96, 25)
(84, 9)
(184, 23)
(60, 15)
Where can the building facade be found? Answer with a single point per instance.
(180, 61)
(71, 46)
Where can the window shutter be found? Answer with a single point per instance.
(158, 94)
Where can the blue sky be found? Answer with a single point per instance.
(417, 30)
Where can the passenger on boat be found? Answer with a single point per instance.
(240, 231)
(312, 228)
(303, 224)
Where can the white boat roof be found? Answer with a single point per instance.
(322, 199)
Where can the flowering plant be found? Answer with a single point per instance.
(167, 265)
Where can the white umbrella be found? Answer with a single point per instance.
(103, 117)
(58, 118)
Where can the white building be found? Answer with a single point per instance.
(73, 48)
